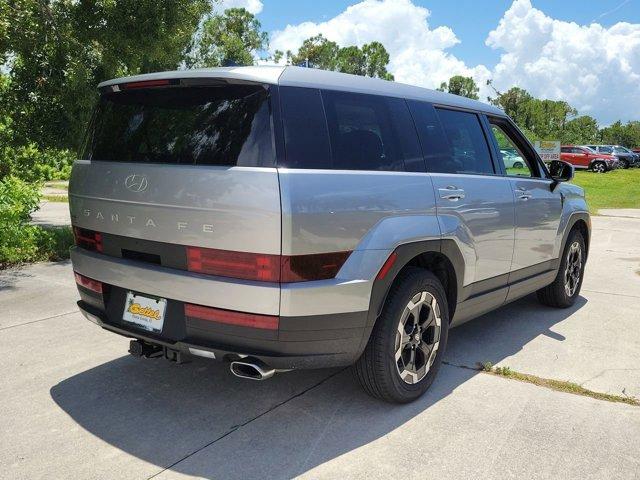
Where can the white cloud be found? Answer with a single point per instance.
(252, 6)
(595, 69)
(417, 53)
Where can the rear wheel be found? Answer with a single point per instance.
(599, 167)
(564, 290)
(408, 341)
(518, 165)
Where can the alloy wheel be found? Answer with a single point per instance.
(418, 337)
(573, 269)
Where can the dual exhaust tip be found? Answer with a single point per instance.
(252, 369)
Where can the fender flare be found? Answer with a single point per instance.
(405, 253)
(574, 217)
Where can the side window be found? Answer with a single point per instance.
(467, 145)
(566, 150)
(304, 128)
(512, 157)
(371, 132)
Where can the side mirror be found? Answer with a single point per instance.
(560, 171)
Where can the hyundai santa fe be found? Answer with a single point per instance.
(280, 218)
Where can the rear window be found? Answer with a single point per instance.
(221, 125)
(348, 131)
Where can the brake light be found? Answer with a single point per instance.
(89, 283)
(210, 314)
(144, 84)
(318, 266)
(88, 239)
(265, 267)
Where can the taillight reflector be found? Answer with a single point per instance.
(387, 266)
(210, 314)
(265, 267)
(88, 239)
(90, 283)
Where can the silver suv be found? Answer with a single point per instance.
(281, 218)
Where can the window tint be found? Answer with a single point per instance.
(566, 150)
(511, 156)
(305, 128)
(469, 152)
(228, 125)
(371, 132)
(435, 147)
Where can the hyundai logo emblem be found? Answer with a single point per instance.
(136, 183)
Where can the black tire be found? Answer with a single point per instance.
(599, 167)
(377, 369)
(518, 165)
(557, 294)
(624, 163)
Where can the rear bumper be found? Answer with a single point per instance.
(317, 345)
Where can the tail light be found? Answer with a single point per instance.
(88, 239)
(253, 320)
(89, 283)
(248, 266)
(264, 267)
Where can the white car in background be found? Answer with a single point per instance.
(512, 159)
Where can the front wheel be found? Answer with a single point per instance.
(408, 341)
(624, 164)
(599, 167)
(564, 290)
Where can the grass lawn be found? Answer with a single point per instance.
(616, 189)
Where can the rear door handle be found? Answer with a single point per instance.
(452, 193)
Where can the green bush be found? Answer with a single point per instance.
(32, 164)
(19, 241)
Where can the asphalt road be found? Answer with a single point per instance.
(76, 405)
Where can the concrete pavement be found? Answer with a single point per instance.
(76, 405)
(52, 214)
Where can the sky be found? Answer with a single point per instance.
(584, 52)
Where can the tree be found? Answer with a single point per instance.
(581, 130)
(59, 50)
(231, 38)
(318, 52)
(618, 134)
(459, 85)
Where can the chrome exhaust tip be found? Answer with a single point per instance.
(250, 368)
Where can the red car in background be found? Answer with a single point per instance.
(584, 157)
(636, 150)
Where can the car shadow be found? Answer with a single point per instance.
(169, 414)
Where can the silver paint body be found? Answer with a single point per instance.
(277, 210)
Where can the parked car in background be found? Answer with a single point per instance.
(586, 158)
(512, 159)
(625, 156)
(636, 150)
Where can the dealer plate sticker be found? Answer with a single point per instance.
(145, 312)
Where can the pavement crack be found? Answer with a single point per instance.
(36, 321)
(238, 427)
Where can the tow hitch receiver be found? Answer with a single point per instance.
(138, 348)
